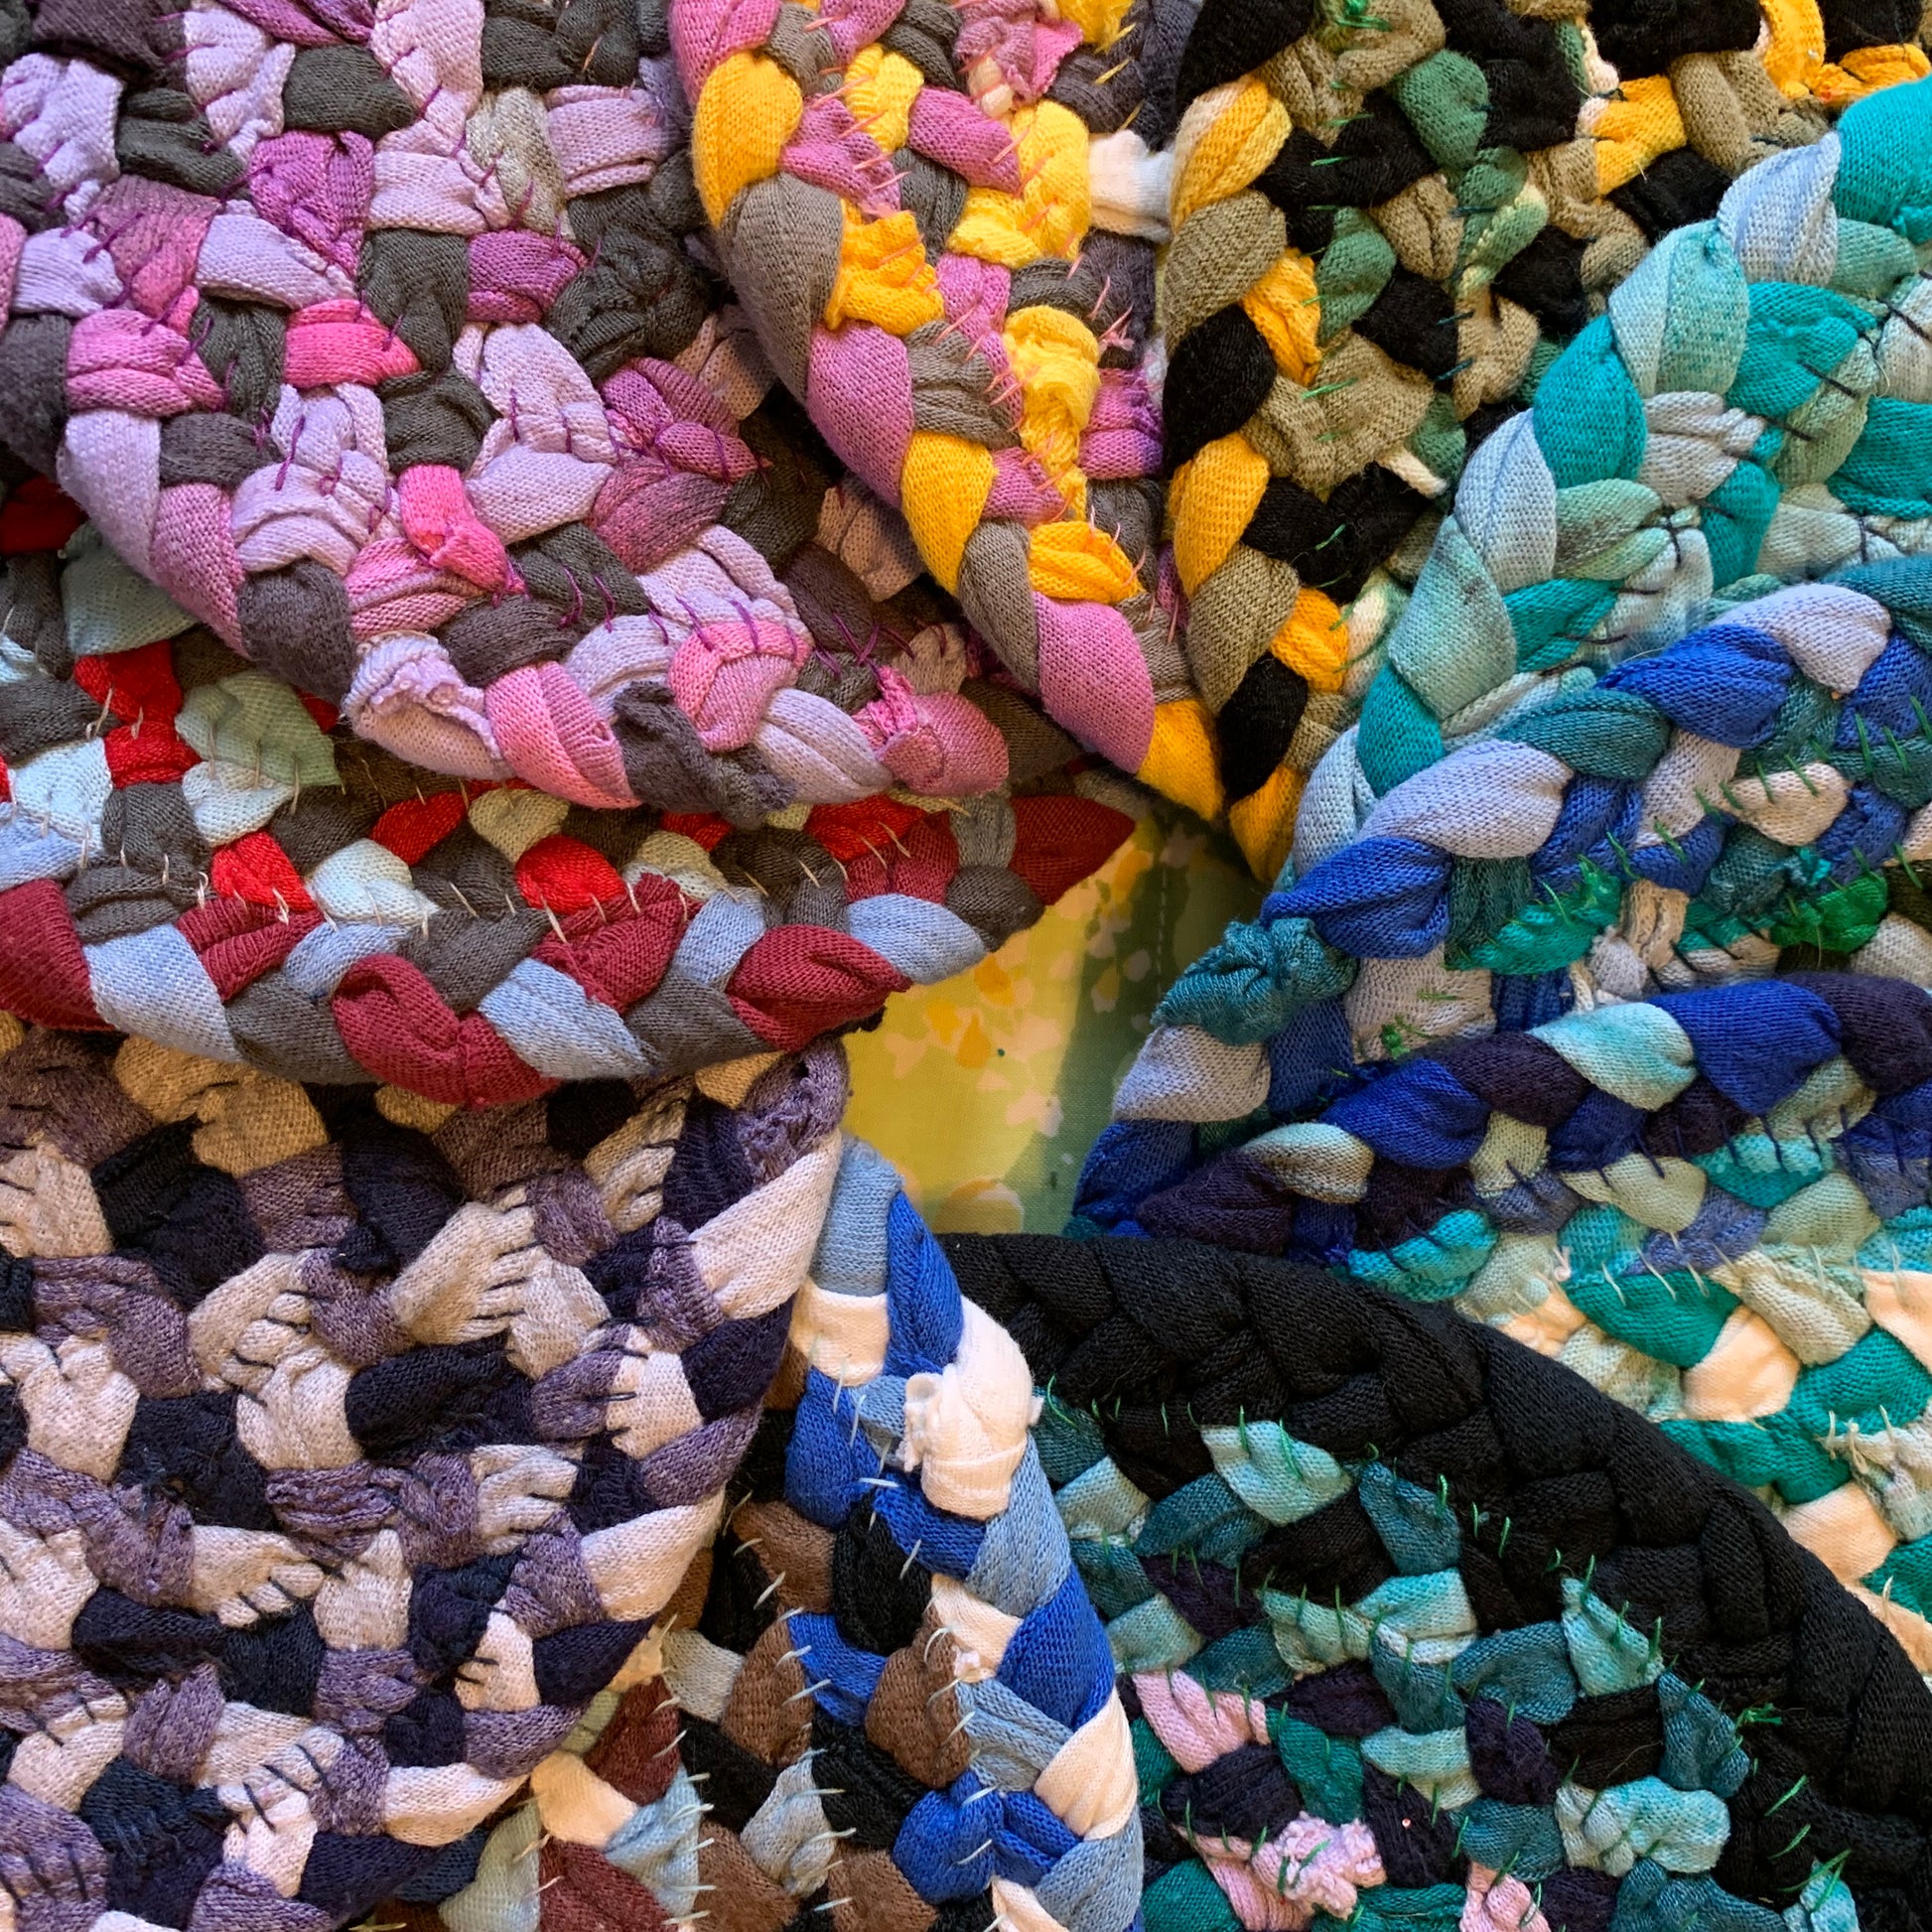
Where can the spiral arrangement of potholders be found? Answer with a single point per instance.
(940, 220)
(1712, 1205)
(887, 1686)
(191, 852)
(1423, 1632)
(352, 1445)
(1386, 219)
(384, 341)
(621, 536)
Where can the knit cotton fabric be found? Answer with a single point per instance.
(1386, 220)
(386, 340)
(1423, 1632)
(1750, 410)
(352, 1446)
(940, 220)
(1753, 405)
(191, 852)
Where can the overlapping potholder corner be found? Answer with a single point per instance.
(887, 1704)
(1387, 219)
(387, 341)
(1423, 1632)
(354, 1444)
(1711, 1204)
(192, 851)
(941, 220)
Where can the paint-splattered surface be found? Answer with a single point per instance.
(987, 1090)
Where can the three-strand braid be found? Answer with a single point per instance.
(1711, 1204)
(191, 852)
(1752, 408)
(885, 1684)
(387, 341)
(1749, 797)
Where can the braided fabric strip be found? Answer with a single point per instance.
(608, 1830)
(1355, 1756)
(352, 1446)
(383, 340)
(1754, 793)
(1356, 1522)
(189, 853)
(1386, 219)
(886, 1683)
(1508, 621)
(1745, 797)
(849, 579)
(1712, 1205)
(940, 220)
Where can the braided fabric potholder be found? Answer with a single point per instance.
(189, 852)
(1756, 789)
(939, 217)
(351, 1446)
(1754, 793)
(1715, 1206)
(383, 338)
(1431, 1632)
(1382, 233)
(886, 1703)
(1627, 504)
